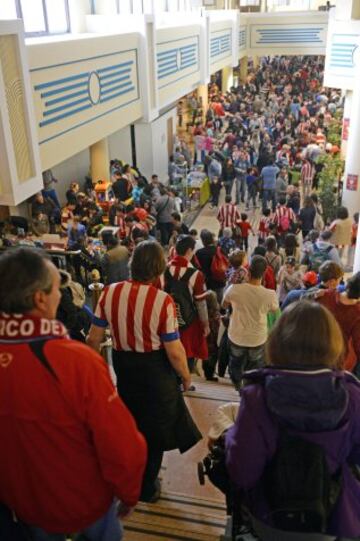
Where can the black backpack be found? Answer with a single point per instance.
(179, 290)
(298, 486)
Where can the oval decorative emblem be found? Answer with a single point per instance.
(94, 87)
(5, 359)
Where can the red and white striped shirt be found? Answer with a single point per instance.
(282, 211)
(264, 223)
(228, 215)
(307, 172)
(119, 222)
(177, 268)
(141, 317)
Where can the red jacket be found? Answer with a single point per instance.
(68, 445)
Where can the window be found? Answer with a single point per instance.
(40, 17)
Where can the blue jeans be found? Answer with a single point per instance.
(269, 195)
(240, 189)
(106, 528)
(243, 358)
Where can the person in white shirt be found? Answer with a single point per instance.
(247, 333)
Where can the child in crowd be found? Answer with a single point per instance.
(215, 187)
(226, 242)
(243, 227)
(237, 272)
(210, 363)
(264, 224)
(251, 182)
(288, 278)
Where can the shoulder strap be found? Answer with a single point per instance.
(164, 206)
(37, 347)
(188, 274)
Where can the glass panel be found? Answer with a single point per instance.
(56, 16)
(8, 9)
(33, 15)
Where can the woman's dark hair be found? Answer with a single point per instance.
(23, 271)
(353, 287)
(270, 245)
(290, 244)
(148, 261)
(342, 213)
(207, 238)
(308, 335)
(314, 198)
(308, 202)
(184, 243)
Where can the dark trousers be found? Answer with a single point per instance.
(243, 358)
(151, 473)
(165, 232)
(209, 366)
(243, 243)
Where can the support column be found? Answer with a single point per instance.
(243, 69)
(203, 93)
(99, 160)
(357, 255)
(346, 123)
(227, 78)
(351, 189)
(256, 61)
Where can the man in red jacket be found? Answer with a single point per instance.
(70, 448)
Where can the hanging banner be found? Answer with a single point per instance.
(352, 182)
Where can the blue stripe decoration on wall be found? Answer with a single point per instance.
(342, 54)
(220, 45)
(242, 38)
(92, 87)
(302, 35)
(177, 59)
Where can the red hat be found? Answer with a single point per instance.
(310, 278)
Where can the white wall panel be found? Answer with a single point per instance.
(178, 62)
(84, 90)
(220, 46)
(342, 55)
(292, 33)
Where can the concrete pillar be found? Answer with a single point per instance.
(357, 255)
(351, 190)
(346, 123)
(99, 160)
(227, 78)
(256, 61)
(243, 69)
(203, 93)
(348, 9)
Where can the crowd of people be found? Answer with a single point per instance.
(265, 295)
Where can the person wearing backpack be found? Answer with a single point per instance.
(318, 250)
(284, 218)
(207, 257)
(186, 285)
(301, 417)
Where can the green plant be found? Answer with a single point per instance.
(334, 131)
(330, 175)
